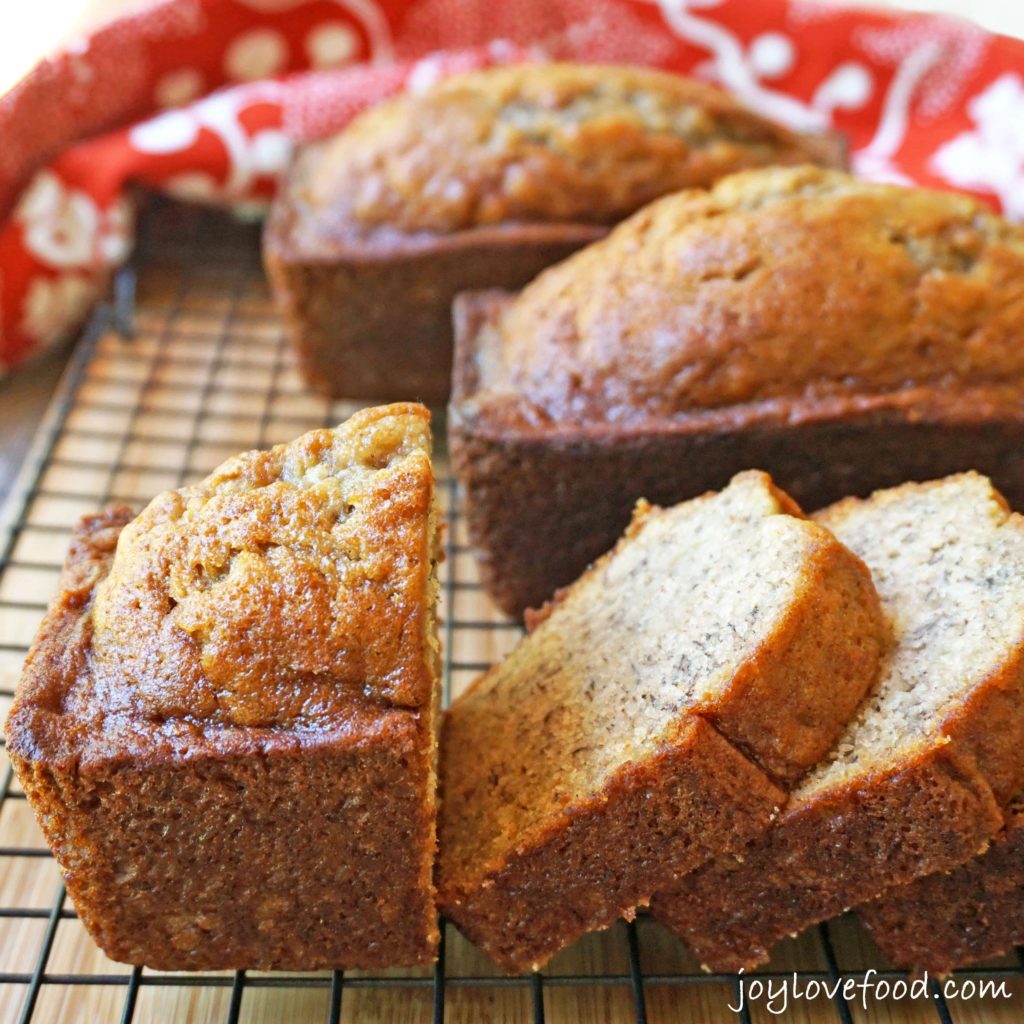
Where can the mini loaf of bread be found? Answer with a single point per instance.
(654, 717)
(226, 724)
(481, 181)
(840, 334)
(959, 917)
(918, 780)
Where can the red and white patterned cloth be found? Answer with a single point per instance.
(205, 99)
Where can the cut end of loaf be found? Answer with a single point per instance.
(947, 558)
(912, 785)
(688, 621)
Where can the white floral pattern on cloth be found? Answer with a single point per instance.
(990, 157)
(250, 151)
(61, 225)
(597, 31)
(65, 228)
(932, 60)
(742, 68)
(54, 302)
(920, 99)
(78, 242)
(927, 61)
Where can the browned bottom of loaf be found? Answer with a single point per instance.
(659, 820)
(953, 919)
(378, 326)
(829, 855)
(287, 860)
(533, 545)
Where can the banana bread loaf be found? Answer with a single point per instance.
(226, 724)
(955, 918)
(653, 717)
(481, 181)
(917, 781)
(842, 335)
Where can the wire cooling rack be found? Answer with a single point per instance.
(186, 366)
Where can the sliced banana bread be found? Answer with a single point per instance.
(227, 722)
(654, 717)
(955, 918)
(480, 181)
(917, 781)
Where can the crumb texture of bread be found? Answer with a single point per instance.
(956, 918)
(227, 724)
(737, 304)
(650, 718)
(948, 563)
(536, 143)
(916, 781)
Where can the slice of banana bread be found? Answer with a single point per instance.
(480, 181)
(226, 725)
(955, 918)
(714, 331)
(653, 717)
(917, 781)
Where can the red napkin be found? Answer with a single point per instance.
(204, 99)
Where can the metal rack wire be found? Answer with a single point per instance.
(183, 368)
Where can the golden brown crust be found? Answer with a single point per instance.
(996, 751)
(278, 586)
(354, 340)
(480, 181)
(952, 919)
(827, 854)
(294, 842)
(719, 330)
(739, 306)
(781, 710)
(536, 143)
(37, 726)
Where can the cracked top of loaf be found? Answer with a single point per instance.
(291, 588)
(532, 144)
(782, 293)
